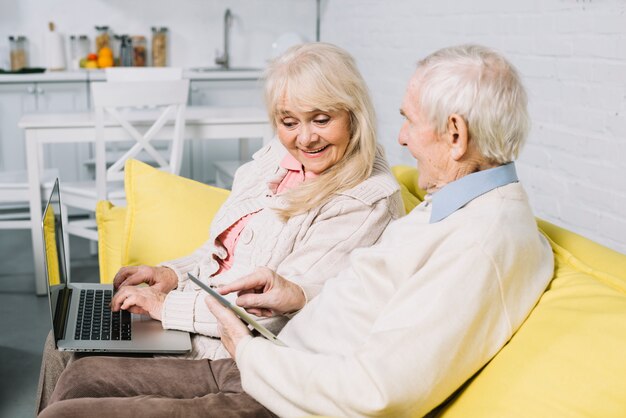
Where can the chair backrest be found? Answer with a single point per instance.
(13, 197)
(159, 101)
(118, 74)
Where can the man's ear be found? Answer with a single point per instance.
(458, 136)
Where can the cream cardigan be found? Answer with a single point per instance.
(411, 318)
(307, 249)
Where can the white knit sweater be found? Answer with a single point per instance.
(307, 249)
(411, 318)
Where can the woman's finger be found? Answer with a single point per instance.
(118, 299)
(121, 276)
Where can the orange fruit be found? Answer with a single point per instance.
(105, 51)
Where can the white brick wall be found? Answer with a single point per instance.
(572, 57)
(571, 53)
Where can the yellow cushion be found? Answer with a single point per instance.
(411, 194)
(110, 220)
(569, 357)
(167, 217)
(50, 244)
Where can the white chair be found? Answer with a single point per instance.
(14, 196)
(14, 200)
(128, 104)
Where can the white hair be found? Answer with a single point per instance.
(480, 85)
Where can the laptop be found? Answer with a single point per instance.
(81, 316)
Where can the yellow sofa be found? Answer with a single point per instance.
(567, 360)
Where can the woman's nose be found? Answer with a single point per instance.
(305, 136)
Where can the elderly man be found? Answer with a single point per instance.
(416, 315)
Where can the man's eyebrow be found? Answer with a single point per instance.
(402, 113)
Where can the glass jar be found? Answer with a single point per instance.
(19, 59)
(159, 46)
(103, 38)
(139, 51)
(126, 51)
(79, 49)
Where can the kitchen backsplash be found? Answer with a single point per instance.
(195, 27)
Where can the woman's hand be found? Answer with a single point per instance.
(139, 300)
(162, 279)
(265, 293)
(230, 327)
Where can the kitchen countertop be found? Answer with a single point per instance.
(98, 75)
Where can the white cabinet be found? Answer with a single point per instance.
(226, 93)
(201, 157)
(15, 99)
(60, 98)
(49, 97)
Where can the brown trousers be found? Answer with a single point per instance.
(102, 386)
(53, 363)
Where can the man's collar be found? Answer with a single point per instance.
(453, 196)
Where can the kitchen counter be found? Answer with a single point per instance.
(98, 75)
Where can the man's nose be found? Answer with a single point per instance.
(402, 137)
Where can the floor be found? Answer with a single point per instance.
(25, 318)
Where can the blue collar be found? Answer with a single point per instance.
(453, 196)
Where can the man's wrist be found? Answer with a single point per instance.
(299, 299)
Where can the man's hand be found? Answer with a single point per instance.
(162, 279)
(139, 300)
(230, 327)
(265, 293)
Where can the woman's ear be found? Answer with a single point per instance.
(458, 137)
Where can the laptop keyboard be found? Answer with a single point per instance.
(96, 321)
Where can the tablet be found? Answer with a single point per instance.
(239, 311)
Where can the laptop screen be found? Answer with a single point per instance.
(55, 265)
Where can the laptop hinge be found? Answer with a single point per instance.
(62, 313)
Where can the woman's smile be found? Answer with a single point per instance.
(317, 139)
(314, 153)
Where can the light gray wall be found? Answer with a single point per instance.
(572, 57)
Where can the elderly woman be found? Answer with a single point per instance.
(298, 209)
(411, 318)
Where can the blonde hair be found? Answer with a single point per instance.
(325, 77)
(484, 88)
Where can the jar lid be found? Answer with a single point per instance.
(17, 38)
(102, 27)
(159, 29)
(138, 38)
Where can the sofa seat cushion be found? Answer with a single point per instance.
(166, 217)
(569, 357)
